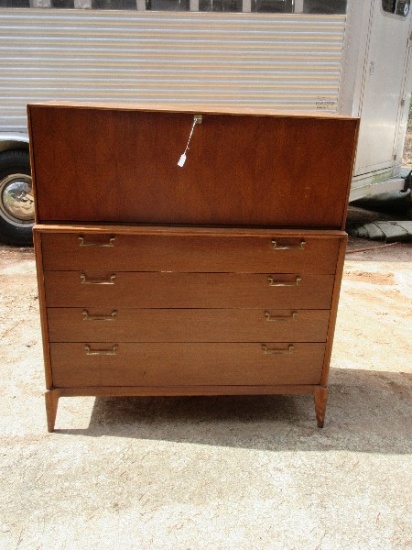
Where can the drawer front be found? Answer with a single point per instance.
(188, 290)
(186, 325)
(196, 252)
(167, 364)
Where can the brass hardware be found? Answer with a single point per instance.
(270, 317)
(268, 351)
(272, 281)
(85, 281)
(88, 317)
(300, 246)
(110, 351)
(82, 242)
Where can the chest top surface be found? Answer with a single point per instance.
(119, 163)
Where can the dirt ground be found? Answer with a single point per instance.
(218, 473)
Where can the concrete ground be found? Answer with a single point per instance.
(216, 473)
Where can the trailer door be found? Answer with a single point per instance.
(385, 94)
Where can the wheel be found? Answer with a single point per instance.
(16, 198)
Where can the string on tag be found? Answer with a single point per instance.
(197, 119)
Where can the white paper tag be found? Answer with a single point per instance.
(182, 160)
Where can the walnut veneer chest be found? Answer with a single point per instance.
(188, 251)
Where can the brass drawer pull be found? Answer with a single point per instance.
(270, 317)
(82, 242)
(272, 281)
(88, 317)
(300, 246)
(110, 351)
(85, 281)
(269, 351)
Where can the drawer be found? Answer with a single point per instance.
(194, 251)
(168, 364)
(188, 290)
(186, 325)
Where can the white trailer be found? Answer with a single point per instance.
(345, 56)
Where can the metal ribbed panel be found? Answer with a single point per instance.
(278, 61)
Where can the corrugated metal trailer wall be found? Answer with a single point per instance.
(265, 60)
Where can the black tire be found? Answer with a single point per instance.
(16, 198)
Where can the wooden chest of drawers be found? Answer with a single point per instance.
(219, 300)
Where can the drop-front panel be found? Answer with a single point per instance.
(236, 294)
(121, 165)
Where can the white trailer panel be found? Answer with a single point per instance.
(278, 61)
(355, 60)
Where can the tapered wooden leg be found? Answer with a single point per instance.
(321, 398)
(52, 400)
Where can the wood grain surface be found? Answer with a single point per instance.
(168, 364)
(186, 325)
(187, 290)
(102, 165)
(196, 251)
